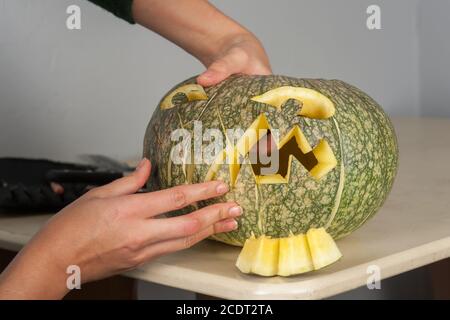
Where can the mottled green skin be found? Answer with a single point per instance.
(367, 147)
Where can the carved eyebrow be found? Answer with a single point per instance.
(191, 91)
(313, 104)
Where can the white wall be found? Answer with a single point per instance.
(434, 59)
(329, 39)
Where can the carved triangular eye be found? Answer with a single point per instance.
(313, 104)
(190, 91)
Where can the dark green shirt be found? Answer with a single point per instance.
(120, 8)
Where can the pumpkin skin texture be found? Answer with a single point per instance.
(359, 133)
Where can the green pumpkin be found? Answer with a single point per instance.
(339, 198)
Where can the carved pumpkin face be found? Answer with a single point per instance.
(294, 145)
(337, 152)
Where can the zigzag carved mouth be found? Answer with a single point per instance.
(280, 159)
(318, 161)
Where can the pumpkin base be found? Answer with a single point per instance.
(288, 256)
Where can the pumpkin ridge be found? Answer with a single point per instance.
(382, 124)
(354, 96)
(341, 184)
(344, 94)
(353, 225)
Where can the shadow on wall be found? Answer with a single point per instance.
(434, 53)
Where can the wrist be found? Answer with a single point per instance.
(33, 275)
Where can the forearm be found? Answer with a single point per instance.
(33, 275)
(195, 25)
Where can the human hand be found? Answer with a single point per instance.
(110, 230)
(240, 54)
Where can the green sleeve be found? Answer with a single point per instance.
(120, 8)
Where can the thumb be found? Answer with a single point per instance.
(216, 72)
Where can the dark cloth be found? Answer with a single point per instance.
(23, 185)
(120, 8)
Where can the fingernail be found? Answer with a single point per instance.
(235, 211)
(141, 164)
(232, 225)
(222, 188)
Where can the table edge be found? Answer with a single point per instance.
(325, 286)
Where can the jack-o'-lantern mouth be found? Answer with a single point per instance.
(271, 161)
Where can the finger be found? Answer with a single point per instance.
(169, 246)
(235, 61)
(259, 69)
(155, 203)
(216, 72)
(126, 185)
(187, 225)
(56, 188)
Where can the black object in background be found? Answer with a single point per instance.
(25, 183)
